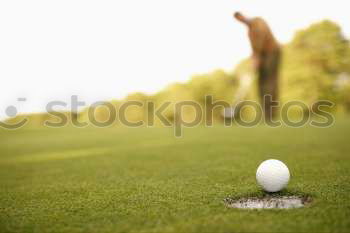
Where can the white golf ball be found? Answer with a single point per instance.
(272, 175)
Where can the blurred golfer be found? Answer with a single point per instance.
(266, 59)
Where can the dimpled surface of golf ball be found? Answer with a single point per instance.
(272, 175)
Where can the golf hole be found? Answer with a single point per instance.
(282, 202)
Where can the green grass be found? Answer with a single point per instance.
(146, 180)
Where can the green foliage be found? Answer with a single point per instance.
(136, 113)
(218, 84)
(99, 113)
(313, 62)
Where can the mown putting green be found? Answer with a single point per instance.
(146, 180)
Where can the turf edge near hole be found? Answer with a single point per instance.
(282, 202)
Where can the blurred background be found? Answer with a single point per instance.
(164, 51)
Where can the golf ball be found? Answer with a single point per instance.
(272, 175)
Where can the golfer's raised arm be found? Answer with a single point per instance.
(242, 18)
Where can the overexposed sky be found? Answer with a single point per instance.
(101, 50)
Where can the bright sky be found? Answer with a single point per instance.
(101, 50)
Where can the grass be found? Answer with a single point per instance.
(146, 180)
